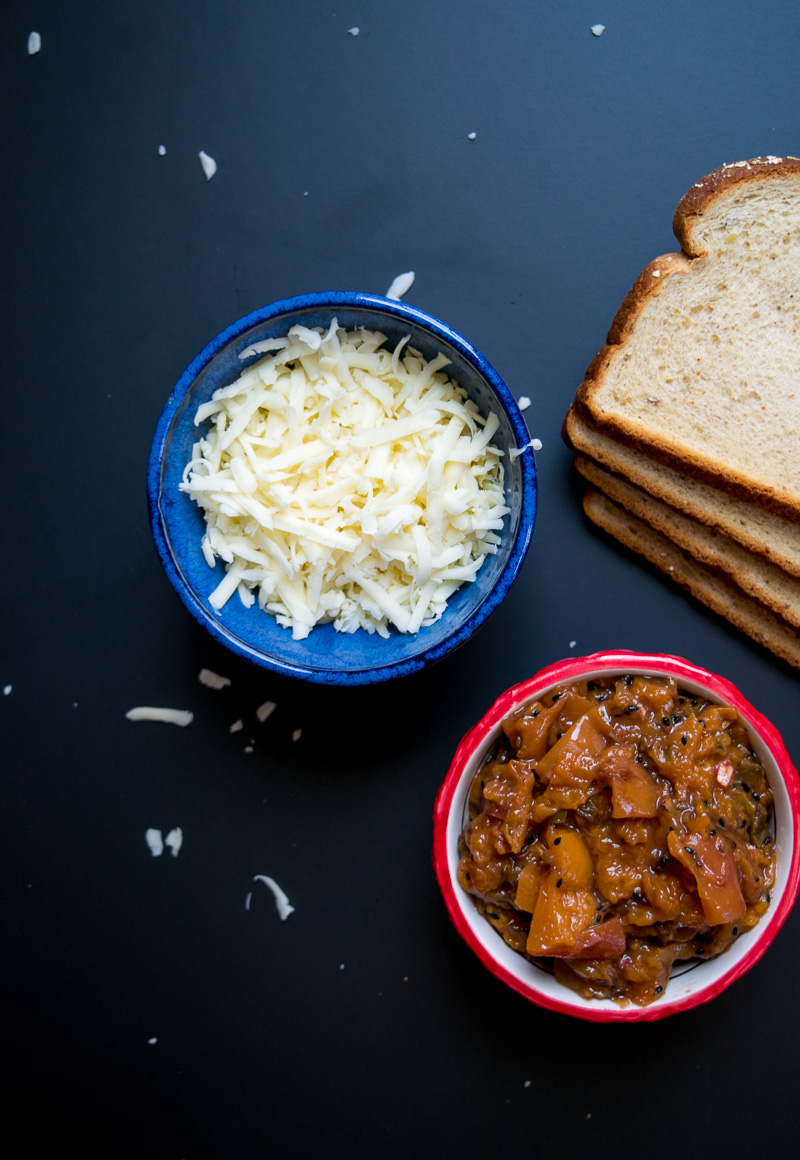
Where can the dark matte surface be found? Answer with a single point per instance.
(342, 162)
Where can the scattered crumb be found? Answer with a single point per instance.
(341, 966)
(536, 444)
(236, 726)
(247, 900)
(174, 840)
(182, 717)
(572, 643)
(298, 733)
(74, 704)
(524, 403)
(598, 29)
(266, 710)
(656, 273)
(305, 193)
(162, 151)
(34, 43)
(354, 31)
(405, 978)
(154, 842)
(281, 901)
(401, 285)
(208, 163)
(527, 1083)
(248, 748)
(7, 689)
(471, 136)
(588, 1115)
(152, 1041)
(515, 452)
(212, 680)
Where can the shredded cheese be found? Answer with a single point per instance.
(154, 842)
(265, 710)
(182, 717)
(212, 680)
(344, 482)
(282, 903)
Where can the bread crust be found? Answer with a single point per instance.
(717, 594)
(688, 215)
(780, 545)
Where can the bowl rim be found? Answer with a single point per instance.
(369, 674)
(570, 669)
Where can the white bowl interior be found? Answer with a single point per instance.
(696, 976)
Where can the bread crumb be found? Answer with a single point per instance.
(212, 680)
(265, 710)
(472, 136)
(524, 403)
(298, 733)
(162, 151)
(598, 29)
(208, 163)
(236, 726)
(354, 31)
(34, 43)
(6, 690)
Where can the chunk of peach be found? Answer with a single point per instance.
(571, 857)
(560, 917)
(714, 870)
(634, 791)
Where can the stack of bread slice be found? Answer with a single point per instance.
(687, 425)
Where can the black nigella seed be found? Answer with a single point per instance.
(676, 720)
(659, 989)
(756, 797)
(736, 930)
(490, 915)
(559, 736)
(555, 697)
(711, 833)
(556, 841)
(663, 861)
(665, 720)
(683, 739)
(559, 882)
(629, 681)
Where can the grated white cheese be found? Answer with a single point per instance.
(515, 452)
(153, 1041)
(282, 903)
(343, 482)
(471, 136)
(401, 285)
(598, 29)
(174, 840)
(265, 710)
(34, 43)
(154, 843)
(6, 690)
(208, 163)
(524, 403)
(212, 680)
(182, 717)
(162, 151)
(354, 31)
(237, 726)
(297, 734)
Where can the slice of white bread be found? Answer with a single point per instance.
(751, 574)
(723, 598)
(757, 530)
(701, 367)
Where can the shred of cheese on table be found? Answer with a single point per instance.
(154, 842)
(266, 710)
(212, 680)
(282, 903)
(182, 717)
(345, 482)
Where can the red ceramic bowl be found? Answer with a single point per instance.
(692, 983)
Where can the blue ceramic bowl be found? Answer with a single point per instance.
(327, 656)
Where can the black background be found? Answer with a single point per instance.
(343, 161)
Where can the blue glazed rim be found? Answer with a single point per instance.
(528, 504)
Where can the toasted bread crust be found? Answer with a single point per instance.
(718, 595)
(690, 211)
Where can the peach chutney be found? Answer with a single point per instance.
(620, 825)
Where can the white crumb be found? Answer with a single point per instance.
(152, 1041)
(524, 403)
(282, 903)
(266, 710)
(174, 840)
(236, 726)
(6, 690)
(182, 717)
(656, 273)
(572, 643)
(298, 733)
(162, 151)
(471, 136)
(401, 285)
(208, 163)
(305, 193)
(527, 1083)
(212, 680)
(34, 43)
(598, 29)
(536, 444)
(247, 900)
(341, 966)
(248, 748)
(354, 31)
(154, 842)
